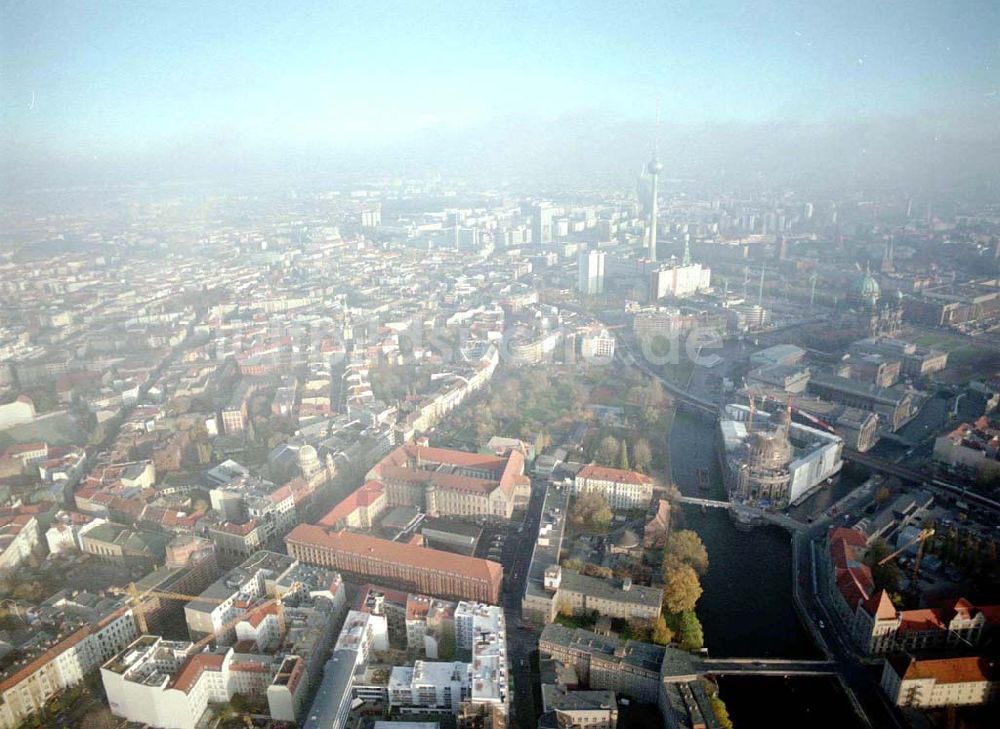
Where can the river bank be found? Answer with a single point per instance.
(747, 608)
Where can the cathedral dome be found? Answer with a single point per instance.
(768, 450)
(866, 287)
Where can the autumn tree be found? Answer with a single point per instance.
(607, 450)
(642, 455)
(656, 396)
(542, 442)
(640, 629)
(590, 511)
(721, 712)
(662, 634)
(623, 457)
(686, 546)
(681, 588)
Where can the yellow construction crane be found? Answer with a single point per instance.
(197, 646)
(925, 534)
(139, 608)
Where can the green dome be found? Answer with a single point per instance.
(867, 287)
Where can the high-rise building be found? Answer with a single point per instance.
(590, 272)
(541, 223)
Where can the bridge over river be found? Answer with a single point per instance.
(746, 514)
(711, 503)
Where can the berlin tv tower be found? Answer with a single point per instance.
(653, 168)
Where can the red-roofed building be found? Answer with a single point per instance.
(874, 622)
(440, 481)
(423, 570)
(623, 489)
(359, 509)
(926, 684)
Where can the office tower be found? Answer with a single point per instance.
(371, 217)
(590, 272)
(541, 223)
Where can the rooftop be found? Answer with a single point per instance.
(420, 557)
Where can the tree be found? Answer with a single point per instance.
(686, 546)
(607, 450)
(642, 455)
(721, 713)
(541, 442)
(681, 588)
(240, 703)
(100, 719)
(649, 416)
(656, 397)
(690, 633)
(640, 629)
(591, 511)
(595, 570)
(623, 457)
(885, 576)
(662, 634)
(883, 495)
(446, 646)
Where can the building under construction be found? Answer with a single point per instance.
(769, 460)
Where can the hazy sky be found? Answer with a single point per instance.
(93, 79)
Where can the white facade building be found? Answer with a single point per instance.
(624, 490)
(590, 272)
(160, 683)
(31, 685)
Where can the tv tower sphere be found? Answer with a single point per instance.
(654, 167)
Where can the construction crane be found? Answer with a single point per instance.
(197, 646)
(925, 534)
(139, 608)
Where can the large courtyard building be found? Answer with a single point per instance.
(445, 482)
(406, 566)
(876, 625)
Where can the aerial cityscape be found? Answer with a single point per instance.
(481, 366)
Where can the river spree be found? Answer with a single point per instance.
(747, 609)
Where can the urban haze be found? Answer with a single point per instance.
(488, 365)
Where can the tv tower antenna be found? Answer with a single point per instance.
(654, 168)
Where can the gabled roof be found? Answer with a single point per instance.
(192, 669)
(920, 620)
(881, 606)
(970, 669)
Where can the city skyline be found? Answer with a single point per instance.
(158, 94)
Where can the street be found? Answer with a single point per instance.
(521, 644)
